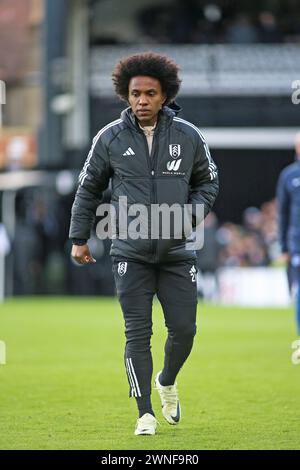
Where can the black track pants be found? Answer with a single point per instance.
(176, 288)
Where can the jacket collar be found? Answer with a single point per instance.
(165, 119)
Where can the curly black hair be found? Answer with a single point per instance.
(147, 64)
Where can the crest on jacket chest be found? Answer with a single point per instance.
(174, 150)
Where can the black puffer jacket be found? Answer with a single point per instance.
(179, 170)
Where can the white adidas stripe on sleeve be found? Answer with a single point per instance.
(83, 173)
(211, 165)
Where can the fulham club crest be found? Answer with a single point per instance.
(122, 268)
(174, 150)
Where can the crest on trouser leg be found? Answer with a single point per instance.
(122, 268)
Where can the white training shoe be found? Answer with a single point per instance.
(169, 401)
(146, 425)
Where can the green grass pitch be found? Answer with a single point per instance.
(64, 384)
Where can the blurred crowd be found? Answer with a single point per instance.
(189, 22)
(253, 243)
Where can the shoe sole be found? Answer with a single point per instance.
(144, 433)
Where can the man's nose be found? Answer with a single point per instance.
(143, 100)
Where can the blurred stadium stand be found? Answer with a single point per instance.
(234, 70)
(237, 65)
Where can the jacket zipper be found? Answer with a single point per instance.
(153, 168)
(151, 164)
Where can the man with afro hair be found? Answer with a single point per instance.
(153, 158)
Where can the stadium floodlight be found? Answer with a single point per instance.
(63, 104)
(64, 182)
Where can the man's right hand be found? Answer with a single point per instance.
(81, 254)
